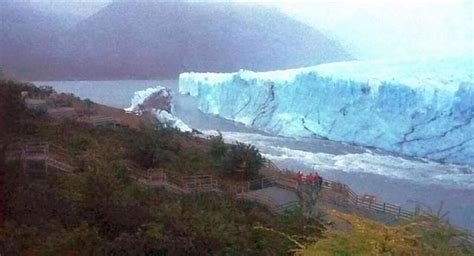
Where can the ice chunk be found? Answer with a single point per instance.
(171, 121)
(422, 109)
(157, 100)
(152, 98)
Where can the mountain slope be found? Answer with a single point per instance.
(150, 39)
(27, 37)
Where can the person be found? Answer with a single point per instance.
(310, 178)
(299, 177)
(320, 181)
(316, 179)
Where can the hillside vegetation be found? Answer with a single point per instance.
(99, 210)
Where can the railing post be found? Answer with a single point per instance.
(384, 206)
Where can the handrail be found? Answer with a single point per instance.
(38, 150)
(352, 197)
(199, 182)
(374, 204)
(60, 165)
(185, 184)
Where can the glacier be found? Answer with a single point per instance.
(417, 108)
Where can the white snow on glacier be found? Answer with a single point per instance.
(422, 109)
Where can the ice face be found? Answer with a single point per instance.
(422, 109)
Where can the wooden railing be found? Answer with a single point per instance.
(259, 184)
(149, 175)
(180, 185)
(362, 201)
(37, 150)
(199, 183)
(265, 182)
(349, 196)
(103, 121)
(246, 192)
(60, 165)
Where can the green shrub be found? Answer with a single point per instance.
(218, 152)
(245, 159)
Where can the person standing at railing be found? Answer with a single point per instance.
(308, 192)
(299, 177)
(310, 178)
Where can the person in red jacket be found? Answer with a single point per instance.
(310, 178)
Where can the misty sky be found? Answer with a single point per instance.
(368, 29)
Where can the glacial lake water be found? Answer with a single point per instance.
(393, 178)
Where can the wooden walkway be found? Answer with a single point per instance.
(52, 157)
(158, 178)
(279, 193)
(336, 192)
(277, 199)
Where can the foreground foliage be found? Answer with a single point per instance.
(367, 237)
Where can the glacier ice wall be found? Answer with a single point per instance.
(422, 109)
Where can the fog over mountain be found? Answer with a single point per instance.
(391, 29)
(148, 39)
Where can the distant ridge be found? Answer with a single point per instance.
(146, 39)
